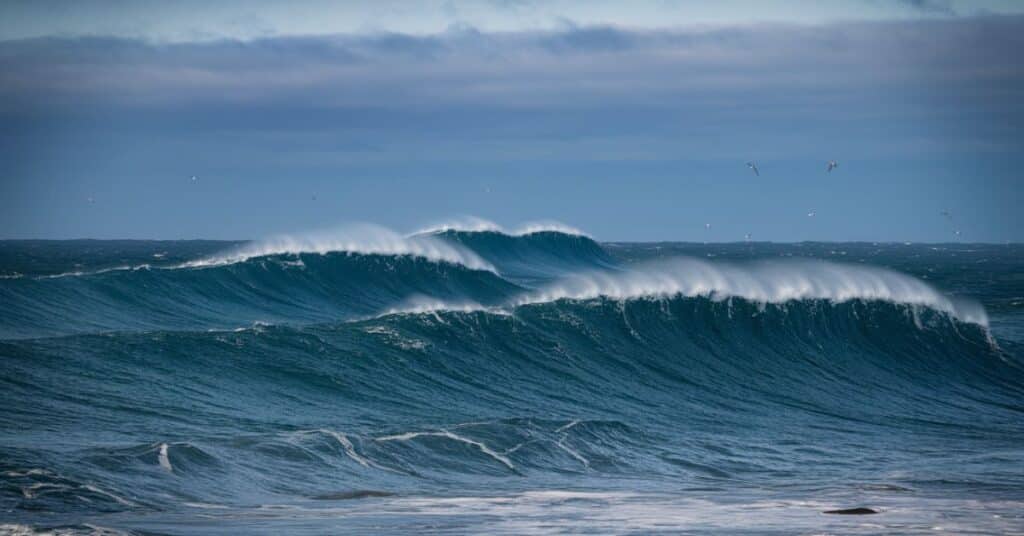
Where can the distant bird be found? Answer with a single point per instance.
(832, 164)
(811, 214)
(957, 233)
(747, 237)
(707, 226)
(314, 197)
(947, 215)
(90, 200)
(753, 167)
(195, 179)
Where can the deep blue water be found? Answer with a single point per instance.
(481, 382)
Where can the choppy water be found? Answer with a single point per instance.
(482, 381)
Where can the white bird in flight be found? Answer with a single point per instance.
(194, 178)
(753, 167)
(811, 214)
(832, 164)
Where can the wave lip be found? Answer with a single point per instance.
(363, 239)
(765, 282)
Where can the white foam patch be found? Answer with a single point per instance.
(362, 239)
(765, 282)
(164, 458)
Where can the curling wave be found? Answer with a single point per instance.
(363, 239)
(290, 379)
(766, 282)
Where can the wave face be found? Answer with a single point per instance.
(450, 380)
(534, 255)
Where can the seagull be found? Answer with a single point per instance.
(194, 178)
(747, 237)
(707, 225)
(811, 214)
(832, 164)
(753, 168)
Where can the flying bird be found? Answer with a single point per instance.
(947, 215)
(707, 225)
(832, 164)
(194, 178)
(753, 167)
(747, 237)
(811, 214)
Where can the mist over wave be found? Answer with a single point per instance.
(363, 239)
(765, 281)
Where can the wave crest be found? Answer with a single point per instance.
(766, 282)
(473, 224)
(364, 239)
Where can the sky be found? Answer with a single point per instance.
(630, 121)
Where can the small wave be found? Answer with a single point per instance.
(80, 273)
(454, 437)
(350, 449)
(764, 282)
(426, 304)
(362, 239)
(479, 225)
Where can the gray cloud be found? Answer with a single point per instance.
(944, 7)
(600, 91)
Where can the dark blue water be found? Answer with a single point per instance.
(482, 382)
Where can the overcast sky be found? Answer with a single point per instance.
(632, 121)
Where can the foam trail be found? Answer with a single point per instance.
(350, 449)
(364, 238)
(446, 434)
(424, 304)
(766, 282)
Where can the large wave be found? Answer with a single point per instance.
(766, 282)
(481, 361)
(367, 270)
(359, 239)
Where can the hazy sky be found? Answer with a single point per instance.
(632, 121)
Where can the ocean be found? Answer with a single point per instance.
(480, 381)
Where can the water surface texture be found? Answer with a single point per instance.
(482, 381)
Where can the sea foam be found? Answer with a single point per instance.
(362, 239)
(766, 282)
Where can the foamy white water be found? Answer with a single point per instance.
(766, 282)
(361, 239)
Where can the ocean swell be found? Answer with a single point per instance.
(765, 282)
